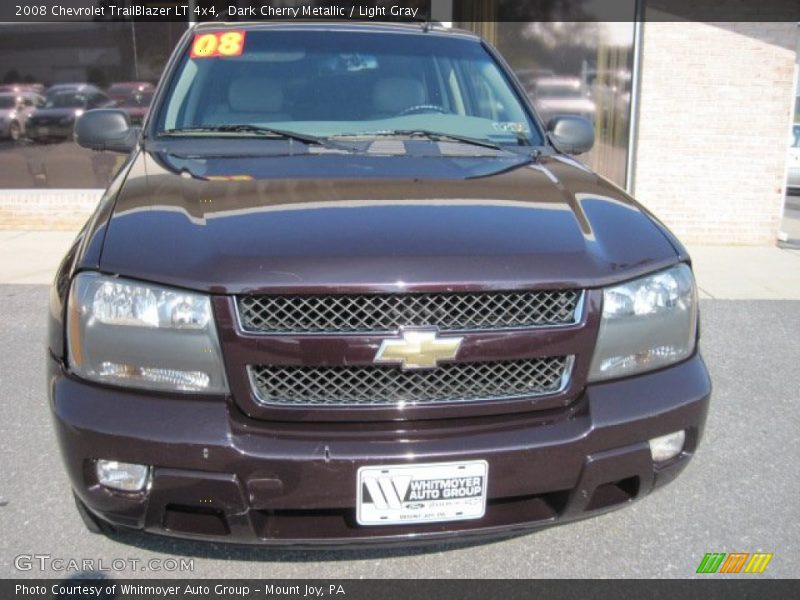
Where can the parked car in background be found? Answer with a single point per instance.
(554, 96)
(54, 121)
(793, 173)
(136, 104)
(122, 90)
(16, 88)
(85, 88)
(15, 108)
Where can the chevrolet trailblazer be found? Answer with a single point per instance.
(348, 288)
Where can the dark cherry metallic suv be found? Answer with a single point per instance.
(347, 288)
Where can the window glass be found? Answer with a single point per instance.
(61, 70)
(579, 68)
(331, 84)
(65, 100)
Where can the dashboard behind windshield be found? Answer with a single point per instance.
(329, 83)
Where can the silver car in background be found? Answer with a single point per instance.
(15, 108)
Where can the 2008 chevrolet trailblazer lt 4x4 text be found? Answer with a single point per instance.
(348, 288)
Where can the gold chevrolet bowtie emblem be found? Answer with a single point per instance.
(418, 349)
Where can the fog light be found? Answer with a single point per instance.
(667, 446)
(181, 380)
(122, 476)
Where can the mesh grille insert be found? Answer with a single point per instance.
(390, 386)
(388, 312)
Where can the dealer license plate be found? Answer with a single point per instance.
(421, 493)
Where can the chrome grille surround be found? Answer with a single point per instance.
(343, 386)
(383, 313)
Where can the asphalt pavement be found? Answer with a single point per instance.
(741, 493)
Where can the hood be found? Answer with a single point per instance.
(379, 223)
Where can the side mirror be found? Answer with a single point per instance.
(106, 129)
(571, 134)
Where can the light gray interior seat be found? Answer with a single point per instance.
(393, 95)
(250, 100)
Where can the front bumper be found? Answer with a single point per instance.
(49, 132)
(221, 476)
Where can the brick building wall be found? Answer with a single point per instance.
(715, 111)
(40, 209)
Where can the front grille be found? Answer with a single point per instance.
(388, 312)
(391, 386)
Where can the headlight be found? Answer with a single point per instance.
(647, 323)
(142, 335)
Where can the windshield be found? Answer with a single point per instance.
(7, 102)
(330, 84)
(66, 100)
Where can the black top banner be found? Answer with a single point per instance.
(42, 11)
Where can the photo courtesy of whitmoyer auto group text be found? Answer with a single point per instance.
(470, 299)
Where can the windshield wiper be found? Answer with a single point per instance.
(436, 136)
(255, 130)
